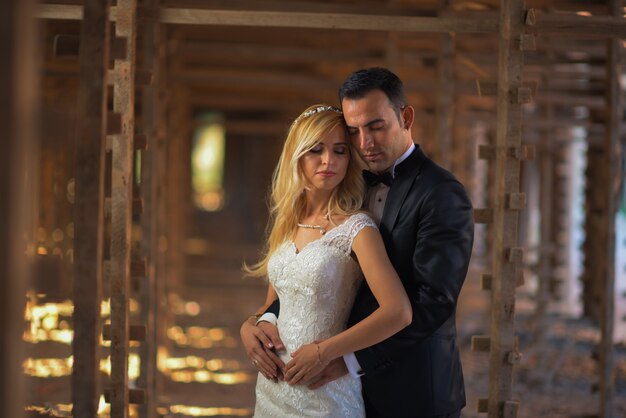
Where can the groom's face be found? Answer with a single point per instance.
(375, 129)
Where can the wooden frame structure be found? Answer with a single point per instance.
(18, 86)
(517, 28)
(89, 208)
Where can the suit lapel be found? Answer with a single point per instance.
(406, 173)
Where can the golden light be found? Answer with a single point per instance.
(65, 410)
(44, 321)
(58, 367)
(584, 13)
(198, 411)
(196, 369)
(207, 163)
(177, 304)
(192, 308)
(211, 201)
(48, 367)
(134, 366)
(200, 337)
(45, 325)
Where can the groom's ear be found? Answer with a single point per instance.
(408, 116)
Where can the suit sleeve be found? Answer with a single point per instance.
(273, 308)
(439, 263)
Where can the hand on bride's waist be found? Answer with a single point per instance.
(306, 363)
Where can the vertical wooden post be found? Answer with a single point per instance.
(159, 157)
(18, 95)
(88, 208)
(445, 96)
(150, 167)
(596, 214)
(613, 160)
(506, 256)
(545, 268)
(178, 188)
(121, 207)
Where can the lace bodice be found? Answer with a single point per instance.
(316, 287)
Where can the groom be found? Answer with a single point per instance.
(425, 219)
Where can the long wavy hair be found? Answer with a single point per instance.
(287, 198)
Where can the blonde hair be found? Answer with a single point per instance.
(287, 199)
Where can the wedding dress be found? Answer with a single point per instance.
(316, 286)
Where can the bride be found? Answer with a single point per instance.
(319, 248)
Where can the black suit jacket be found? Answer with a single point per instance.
(428, 231)
(427, 226)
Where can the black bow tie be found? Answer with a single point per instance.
(372, 179)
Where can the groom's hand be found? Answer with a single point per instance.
(333, 371)
(261, 348)
(271, 331)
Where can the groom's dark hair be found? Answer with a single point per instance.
(361, 82)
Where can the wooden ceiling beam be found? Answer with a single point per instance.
(579, 26)
(372, 7)
(420, 78)
(293, 20)
(221, 51)
(553, 23)
(328, 21)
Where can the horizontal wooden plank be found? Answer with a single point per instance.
(483, 215)
(550, 23)
(296, 20)
(481, 343)
(329, 21)
(573, 24)
(59, 12)
(482, 405)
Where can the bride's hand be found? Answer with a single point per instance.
(306, 363)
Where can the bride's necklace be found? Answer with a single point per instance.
(322, 228)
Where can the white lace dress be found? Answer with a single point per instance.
(316, 287)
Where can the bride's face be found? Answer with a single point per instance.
(326, 164)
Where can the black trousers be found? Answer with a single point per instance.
(371, 412)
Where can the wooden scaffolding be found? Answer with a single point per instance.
(110, 140)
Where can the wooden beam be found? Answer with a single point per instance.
(371, 7)
(580, 26)
(505, 263)
(294, 20)
(152, 116)
(88, 208)
(548, 23)
(613, 171)
(122, 180)
(19, 93)
(326, 21)
(59, 12)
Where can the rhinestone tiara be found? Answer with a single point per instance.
(315, 110)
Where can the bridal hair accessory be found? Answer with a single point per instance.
(315, 110)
